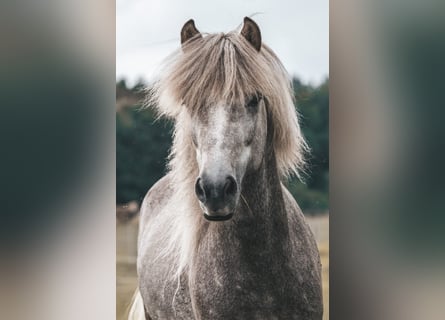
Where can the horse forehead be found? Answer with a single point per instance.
(226, 121)
(218, 127)
(220, 114)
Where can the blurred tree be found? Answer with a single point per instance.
(142, 145)
(122, 84)
(313, 106)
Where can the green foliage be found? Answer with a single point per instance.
(311, 201)
(313, 106)
(143, 143)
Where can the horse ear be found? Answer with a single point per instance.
(189, 31)
(252, 33)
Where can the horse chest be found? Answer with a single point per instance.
(164, 297)
(234, 283)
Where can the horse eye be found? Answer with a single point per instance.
(253, 102)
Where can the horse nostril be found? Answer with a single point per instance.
(230, 187)
(199, 190)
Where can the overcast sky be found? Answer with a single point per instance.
(148, 30)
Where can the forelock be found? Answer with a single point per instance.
(225, 67)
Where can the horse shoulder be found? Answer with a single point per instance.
(155, 199)
(306, 251)
(296, 219)
(300, 228)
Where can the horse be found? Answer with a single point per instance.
(220, 236)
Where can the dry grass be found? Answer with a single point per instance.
(126, 278)
(324, 254)
(320, 228)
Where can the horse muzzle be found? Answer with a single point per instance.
(217, 198)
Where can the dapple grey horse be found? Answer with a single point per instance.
(220, 235)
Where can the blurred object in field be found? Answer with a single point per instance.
(127, 211)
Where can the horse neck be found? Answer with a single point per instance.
(262, 205)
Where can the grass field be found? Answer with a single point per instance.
(126, 280)
(320, 228)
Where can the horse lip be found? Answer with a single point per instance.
(218, 218)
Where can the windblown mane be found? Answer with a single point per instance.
(214, 68)
(225, 67)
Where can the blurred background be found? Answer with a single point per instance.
(57, 159)
(147, 32)
(387, 157)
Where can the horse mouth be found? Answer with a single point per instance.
(218, 217)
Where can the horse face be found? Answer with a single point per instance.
(229, 140)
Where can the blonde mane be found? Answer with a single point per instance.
(225, 67)
(217, 67)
